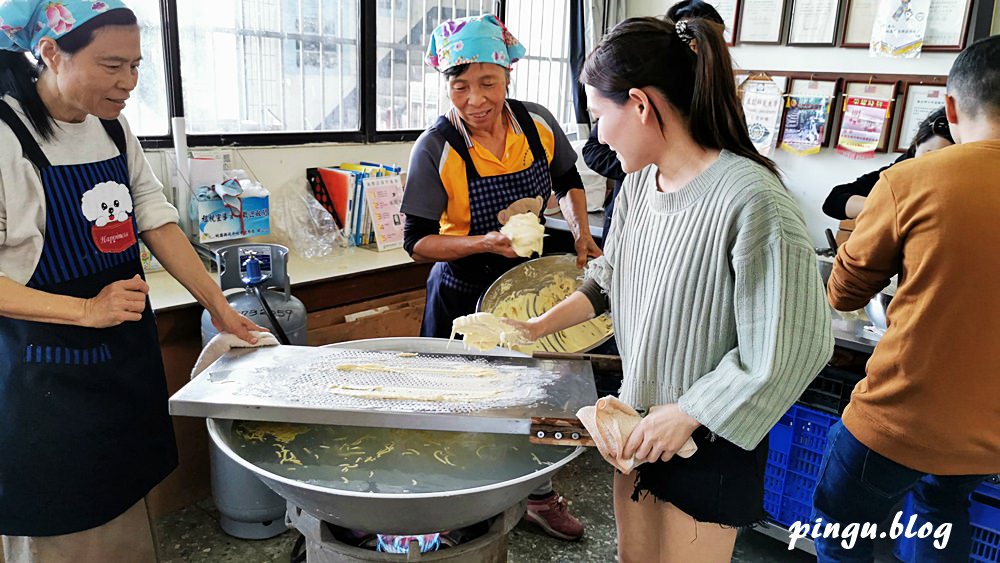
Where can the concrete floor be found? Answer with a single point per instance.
(193, 535)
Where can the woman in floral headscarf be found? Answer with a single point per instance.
(488, 158)
(85, 432)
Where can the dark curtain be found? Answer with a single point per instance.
(577, 56)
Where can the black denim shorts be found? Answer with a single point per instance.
(721, 483)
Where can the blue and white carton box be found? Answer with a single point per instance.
(218, 221)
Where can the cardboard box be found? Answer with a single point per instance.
(216, 221)
(844, 232)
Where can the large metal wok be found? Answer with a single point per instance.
(407, 513)
(532, 278)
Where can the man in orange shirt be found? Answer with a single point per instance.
(926, 418)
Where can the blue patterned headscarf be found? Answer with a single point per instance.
(477, 39)
(23, 23)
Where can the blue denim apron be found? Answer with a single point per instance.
(85, 432)
(453, 288)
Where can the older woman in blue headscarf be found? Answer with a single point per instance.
(488, 158)
(85, 432)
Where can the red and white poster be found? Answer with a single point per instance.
(861, 128)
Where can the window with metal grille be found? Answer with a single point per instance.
(543, 75)
(241, 71)
(146, 110)
(410, 94)
(270, 65)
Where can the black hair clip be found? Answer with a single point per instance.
(940, 127)
(683, 32)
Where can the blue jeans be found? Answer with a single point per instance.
(857, 485)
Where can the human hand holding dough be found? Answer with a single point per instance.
(525, 233)
(610, 423)
(486, 331)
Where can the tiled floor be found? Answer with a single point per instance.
(193, 535)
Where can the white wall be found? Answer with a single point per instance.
(282, 168)
(277, 168)
(658, 7)
(810, 178)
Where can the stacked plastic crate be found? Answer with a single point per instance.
(984, 516)
(797, 444)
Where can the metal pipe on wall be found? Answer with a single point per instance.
(182, 187)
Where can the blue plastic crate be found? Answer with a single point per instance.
(799, 488)
(772, 504)
(779, 446)
(985, 521)
(796, 445)
(794, 511)
(774, 480)
(780, 437)
(805, 462)
(990, 488)
(811, 428)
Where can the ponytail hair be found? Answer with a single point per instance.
(687, 9)
(649, 52)
(19, 74)
(716, 119)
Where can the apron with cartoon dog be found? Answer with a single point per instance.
(453, 288)
(85, 432)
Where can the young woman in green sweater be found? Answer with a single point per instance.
(711, 279)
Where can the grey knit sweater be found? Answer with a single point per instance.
(716, 298)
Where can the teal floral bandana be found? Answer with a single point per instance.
(23, 23)
(477, 39)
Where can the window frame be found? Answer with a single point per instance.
(367, 134)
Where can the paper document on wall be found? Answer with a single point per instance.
(763, 114)
(898, 31)
(385, 196)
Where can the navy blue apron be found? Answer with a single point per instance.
(453, 288)
(85, 432)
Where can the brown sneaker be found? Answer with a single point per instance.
(552, 515)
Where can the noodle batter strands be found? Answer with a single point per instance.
(411, 393)
(444, 370)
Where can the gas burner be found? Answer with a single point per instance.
(324, 542)
(386, 543)
(424, 543)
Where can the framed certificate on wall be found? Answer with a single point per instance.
(813, 22)
(760, 81)
(762, 21)
(876, 91)
(858, 25)
(730, 12)
(806, 87)
(919, 100)
(947, 25)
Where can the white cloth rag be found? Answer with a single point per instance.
(224, 342)
(610, 423)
